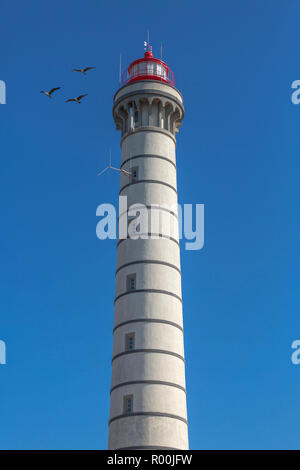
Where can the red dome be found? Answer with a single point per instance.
(148, 68)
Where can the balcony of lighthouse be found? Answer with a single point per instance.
(145, 112)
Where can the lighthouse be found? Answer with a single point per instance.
(148, 392)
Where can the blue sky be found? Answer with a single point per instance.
(237, 153)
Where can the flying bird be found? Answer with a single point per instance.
(86, 69)
(77, 100)
(49, 93)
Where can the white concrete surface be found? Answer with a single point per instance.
(154, 371)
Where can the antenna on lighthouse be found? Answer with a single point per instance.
(120, 70)
(161, 49)
(147, 46)
(110, 167)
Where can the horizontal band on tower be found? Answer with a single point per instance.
(154, 207)
(148, 320)
(148, 129)
(148, 382)
(153, 291)
(163, 263)
(145, 155)
(159, 235)
(148, 413)
(148, 181)
(146, 448)
(157, 351)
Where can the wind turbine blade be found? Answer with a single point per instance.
(127, 173)
(101, 172)
(114, 168)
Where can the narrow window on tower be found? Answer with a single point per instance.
(134, 174)
(129, 341)
(128, 404)
(131, 116)
(131, 282)
(136, 117)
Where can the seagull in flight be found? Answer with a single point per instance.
(77, 100)
(49, 93)
(86, 69)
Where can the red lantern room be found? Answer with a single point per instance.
(148, 68)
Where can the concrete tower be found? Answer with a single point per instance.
(148, 397)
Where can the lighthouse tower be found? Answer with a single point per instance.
(148, 395)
